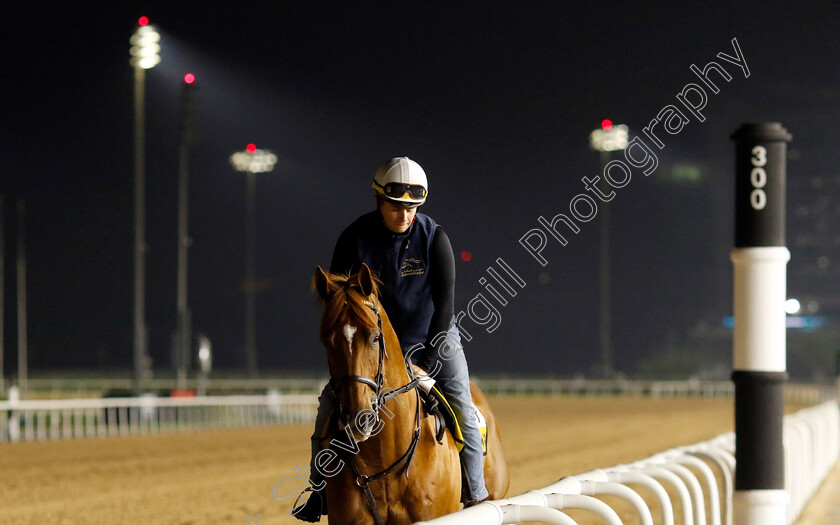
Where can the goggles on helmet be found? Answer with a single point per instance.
(396, 190)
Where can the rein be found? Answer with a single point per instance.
(377, 384)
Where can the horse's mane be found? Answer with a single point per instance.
(346, 304)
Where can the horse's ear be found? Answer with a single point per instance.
(321, 282)
(365, 279)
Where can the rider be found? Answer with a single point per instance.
(412, 256)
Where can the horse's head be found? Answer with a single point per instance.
(351, 331)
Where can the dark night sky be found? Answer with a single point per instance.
(496, 103)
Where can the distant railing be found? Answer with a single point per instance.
(93, 386)
(56, 387)
(29, 419)
(805, 394)
(33, 420)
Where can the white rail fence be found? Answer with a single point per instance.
(29, 420)
(64, 387)
(58, 386)
(691, 485)
(33, 420)
(807, 394)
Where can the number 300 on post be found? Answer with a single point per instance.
(758, 178)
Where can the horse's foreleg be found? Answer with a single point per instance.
(433, 487)
(346, 502)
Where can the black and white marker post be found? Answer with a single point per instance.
(759, 354)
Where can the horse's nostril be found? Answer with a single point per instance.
(366, 421)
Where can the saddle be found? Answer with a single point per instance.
(436, 405)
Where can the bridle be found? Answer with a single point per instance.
(379, 401)
(378, 382)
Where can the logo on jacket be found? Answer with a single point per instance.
(411, 267)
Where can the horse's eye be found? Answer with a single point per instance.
(374, 339)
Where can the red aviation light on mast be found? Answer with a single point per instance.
(606, 124)
(251, 148)
(143, 21)
(189, 78)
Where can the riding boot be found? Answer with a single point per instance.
(315, 505)
(471, 503)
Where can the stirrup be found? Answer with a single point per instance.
(311, 510)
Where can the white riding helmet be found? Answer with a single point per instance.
(401, 181)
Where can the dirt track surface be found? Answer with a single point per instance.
(227, 476)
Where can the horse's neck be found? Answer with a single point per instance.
(400, 418)
(396, 376)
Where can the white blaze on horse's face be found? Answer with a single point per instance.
(349, 332)
(357, 398)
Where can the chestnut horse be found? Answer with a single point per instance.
(392, 469)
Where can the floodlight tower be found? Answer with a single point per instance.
(145, 54)
(251, 161)
(181, 344)
(606, 139)
(2, 294)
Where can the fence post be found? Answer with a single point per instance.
(759, 351)
(14, 415)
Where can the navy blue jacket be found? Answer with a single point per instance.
(416, 268)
